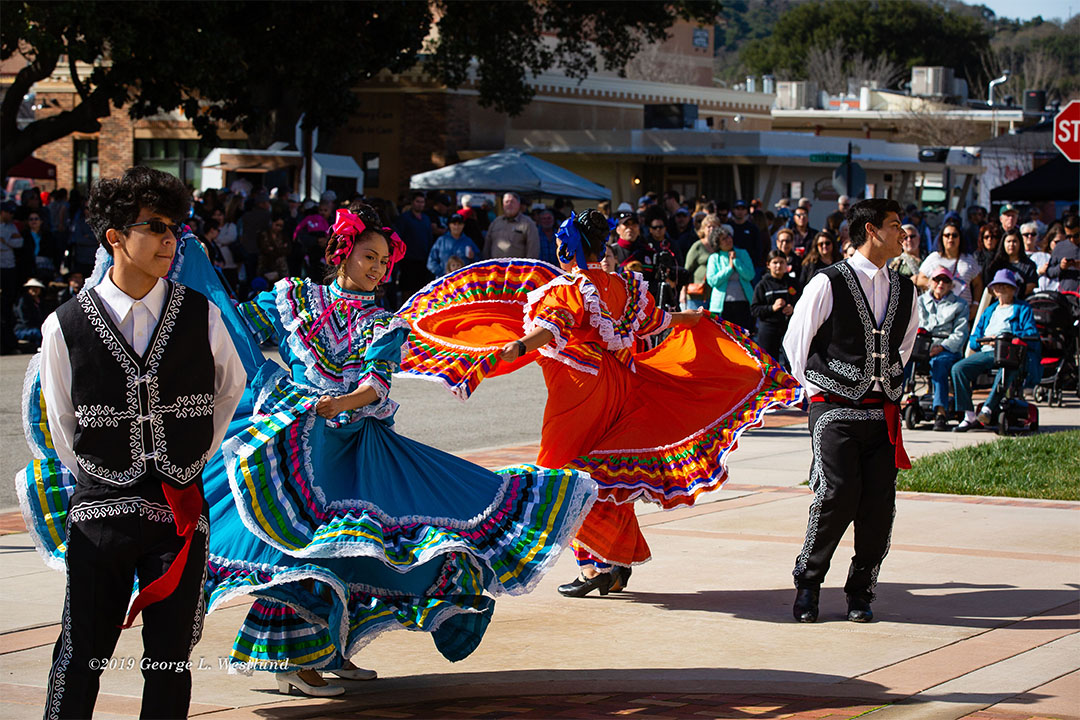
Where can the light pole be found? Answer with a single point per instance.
(990, 97)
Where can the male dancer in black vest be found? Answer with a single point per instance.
(849, 338)
(140, 380)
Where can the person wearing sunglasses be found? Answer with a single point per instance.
(1065, 260)
(36, 234)
(804, 234)
(964, 268)
(989, 239)
(824, 251)
(155, 376)
(907, 264)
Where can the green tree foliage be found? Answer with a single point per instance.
(258, 66)
(903, 31)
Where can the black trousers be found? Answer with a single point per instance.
(110, 540)
(770, 336)
(853, 477)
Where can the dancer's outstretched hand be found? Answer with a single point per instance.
(511, 351)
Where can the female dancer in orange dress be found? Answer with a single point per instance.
(656, 425)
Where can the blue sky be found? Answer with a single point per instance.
(1027, 9)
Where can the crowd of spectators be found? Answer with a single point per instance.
(739, 259)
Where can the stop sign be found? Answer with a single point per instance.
(1067, 131)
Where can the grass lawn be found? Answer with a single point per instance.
(1043, 466)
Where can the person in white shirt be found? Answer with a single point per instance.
(140, 380)
(847, 341)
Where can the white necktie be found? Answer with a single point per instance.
(140, 327)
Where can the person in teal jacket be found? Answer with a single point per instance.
(1005, 315)
(729, 273)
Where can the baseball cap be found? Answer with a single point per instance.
(644, 200)
(294, 197)
(682, 211)
(623, 207)
(456, 218)
(942, 271)
(739, 204)
(1003, 277)
(1007, 209)
(625, 217)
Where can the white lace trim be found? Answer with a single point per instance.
(315, 295)
(231, 457)
(722, 471)
(33, 370)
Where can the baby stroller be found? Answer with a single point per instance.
(918, 409)
(1014, 414)
(1056, 317)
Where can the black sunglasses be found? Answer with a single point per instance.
(656, 227)
(156, 226)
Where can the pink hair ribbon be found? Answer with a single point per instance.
(348, 227)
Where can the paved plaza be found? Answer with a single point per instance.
(978, 610)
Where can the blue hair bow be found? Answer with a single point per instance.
(571, 248)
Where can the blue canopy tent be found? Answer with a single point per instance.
(509, 170)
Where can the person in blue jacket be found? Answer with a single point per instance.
(453, 244)
(729, 273)
(1005, 315)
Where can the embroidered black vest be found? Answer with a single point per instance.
(849, 351)
(141, 418)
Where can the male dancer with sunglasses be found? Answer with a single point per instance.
(848, 340)
(140, 380)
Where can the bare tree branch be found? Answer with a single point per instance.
(825, 66)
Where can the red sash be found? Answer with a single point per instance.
(892, 421)
(186, 505)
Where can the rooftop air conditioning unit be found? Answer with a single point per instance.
(932, 81)
(796, 95)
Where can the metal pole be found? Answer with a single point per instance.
(848, 169)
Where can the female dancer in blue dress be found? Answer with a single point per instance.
(338, 526)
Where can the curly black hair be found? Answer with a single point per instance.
(594, 232)
(116, 202)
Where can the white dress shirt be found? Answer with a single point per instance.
(136, 320)
(816, 304)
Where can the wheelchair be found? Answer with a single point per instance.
(1014, 413)
(918, 409)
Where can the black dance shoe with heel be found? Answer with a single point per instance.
(583, 586)
(620, 578)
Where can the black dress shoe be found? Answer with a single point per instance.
(941, 423)
(858, 609)
(620, 578)
(582, 586)
(805, 608)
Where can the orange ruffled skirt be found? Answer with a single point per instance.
(660, 432)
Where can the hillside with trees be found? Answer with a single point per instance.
(880, 41)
